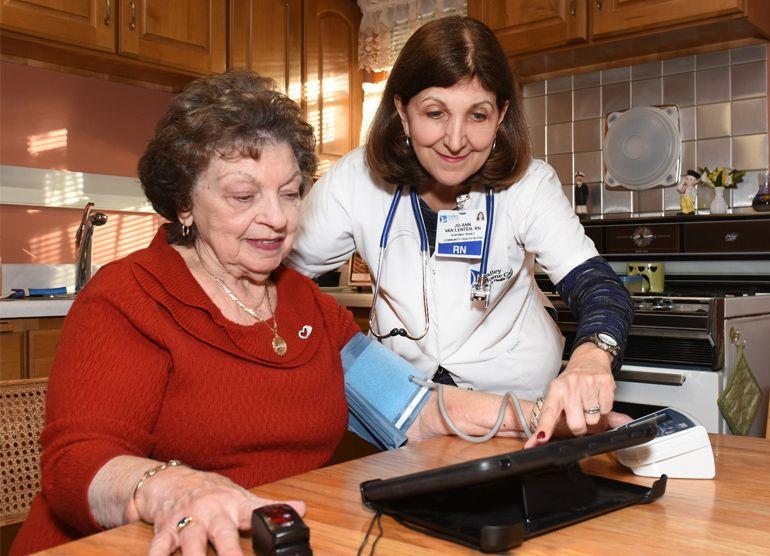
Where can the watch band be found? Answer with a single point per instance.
(596, 339)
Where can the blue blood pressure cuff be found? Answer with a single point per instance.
(382, 401)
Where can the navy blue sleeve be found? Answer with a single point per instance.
(599, 302)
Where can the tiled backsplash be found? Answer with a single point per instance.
(722, 97)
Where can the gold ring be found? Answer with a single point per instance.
(593, 410)
(184, 522)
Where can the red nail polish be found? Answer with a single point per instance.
(541, 435)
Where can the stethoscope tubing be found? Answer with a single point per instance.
(424, 254)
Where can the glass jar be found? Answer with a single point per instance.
(761, 200)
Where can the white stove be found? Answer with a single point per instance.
(680, 352)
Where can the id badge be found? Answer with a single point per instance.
(460, 233)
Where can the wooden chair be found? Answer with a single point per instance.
(22, 414)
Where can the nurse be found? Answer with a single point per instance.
(454, 293)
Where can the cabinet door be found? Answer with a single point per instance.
(333, 81)
(42, 346)
(534, 24)
(185, 34)
(266, 37)
(727, 237)
(617, 17)
(12, 351)
(645, 238)
(89, 23)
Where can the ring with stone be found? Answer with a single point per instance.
(593, 410)
(184, 522)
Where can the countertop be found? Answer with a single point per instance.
(31, 308)
(727, 515)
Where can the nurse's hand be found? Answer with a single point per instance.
(580, 398)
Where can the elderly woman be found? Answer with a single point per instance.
(201, 348)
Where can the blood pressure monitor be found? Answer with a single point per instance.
(681, 449)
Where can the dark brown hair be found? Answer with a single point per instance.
(443, 53)
(233, 114)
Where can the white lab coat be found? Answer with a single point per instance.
(511, 345)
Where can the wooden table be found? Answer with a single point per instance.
(728, 515)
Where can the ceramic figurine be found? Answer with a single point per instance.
(581, 195)
(687, 189)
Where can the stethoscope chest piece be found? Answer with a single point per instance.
(481, 289)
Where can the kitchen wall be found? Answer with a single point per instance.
(723, 104)
(85, 125)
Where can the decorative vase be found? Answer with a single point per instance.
(718, 205)
(761, 202)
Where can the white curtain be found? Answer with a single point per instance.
(387, 24)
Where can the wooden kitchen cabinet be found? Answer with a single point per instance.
(28, 346)
(186, 34)
(332, 80)
(535, 24)
(545, 38)
(727, 237)
(88, 23)
(616, 17)
(695, 237)
(265, 36)
(310, 48)
(168, 42)
(642, 238)
(12, 350)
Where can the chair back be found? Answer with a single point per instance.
(22, 414)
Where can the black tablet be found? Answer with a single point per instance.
(494, 503)
(557, 453)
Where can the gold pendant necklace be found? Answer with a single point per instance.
(279, 344)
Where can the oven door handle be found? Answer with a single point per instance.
(655, 332)
(664, 379)
(674, 333)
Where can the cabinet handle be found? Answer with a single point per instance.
(108, 17)
(598, 4)
(132, 25)
(573, 7)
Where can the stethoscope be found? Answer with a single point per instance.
(481, 287)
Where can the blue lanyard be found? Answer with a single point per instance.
(488, 231)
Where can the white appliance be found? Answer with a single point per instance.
(680, 352)
(695, 390)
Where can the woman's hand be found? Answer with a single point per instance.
(585, 385)
(218, 509)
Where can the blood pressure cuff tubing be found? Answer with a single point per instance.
(382, 401)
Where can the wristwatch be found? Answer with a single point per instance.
(604, 341)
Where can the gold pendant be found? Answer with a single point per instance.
(279, 345)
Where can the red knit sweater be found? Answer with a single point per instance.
(149, 366)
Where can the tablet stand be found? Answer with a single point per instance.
(498, 515)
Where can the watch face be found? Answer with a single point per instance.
(607, 339)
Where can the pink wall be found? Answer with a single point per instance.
(107, 124)
(45, 235)
(107, 128)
